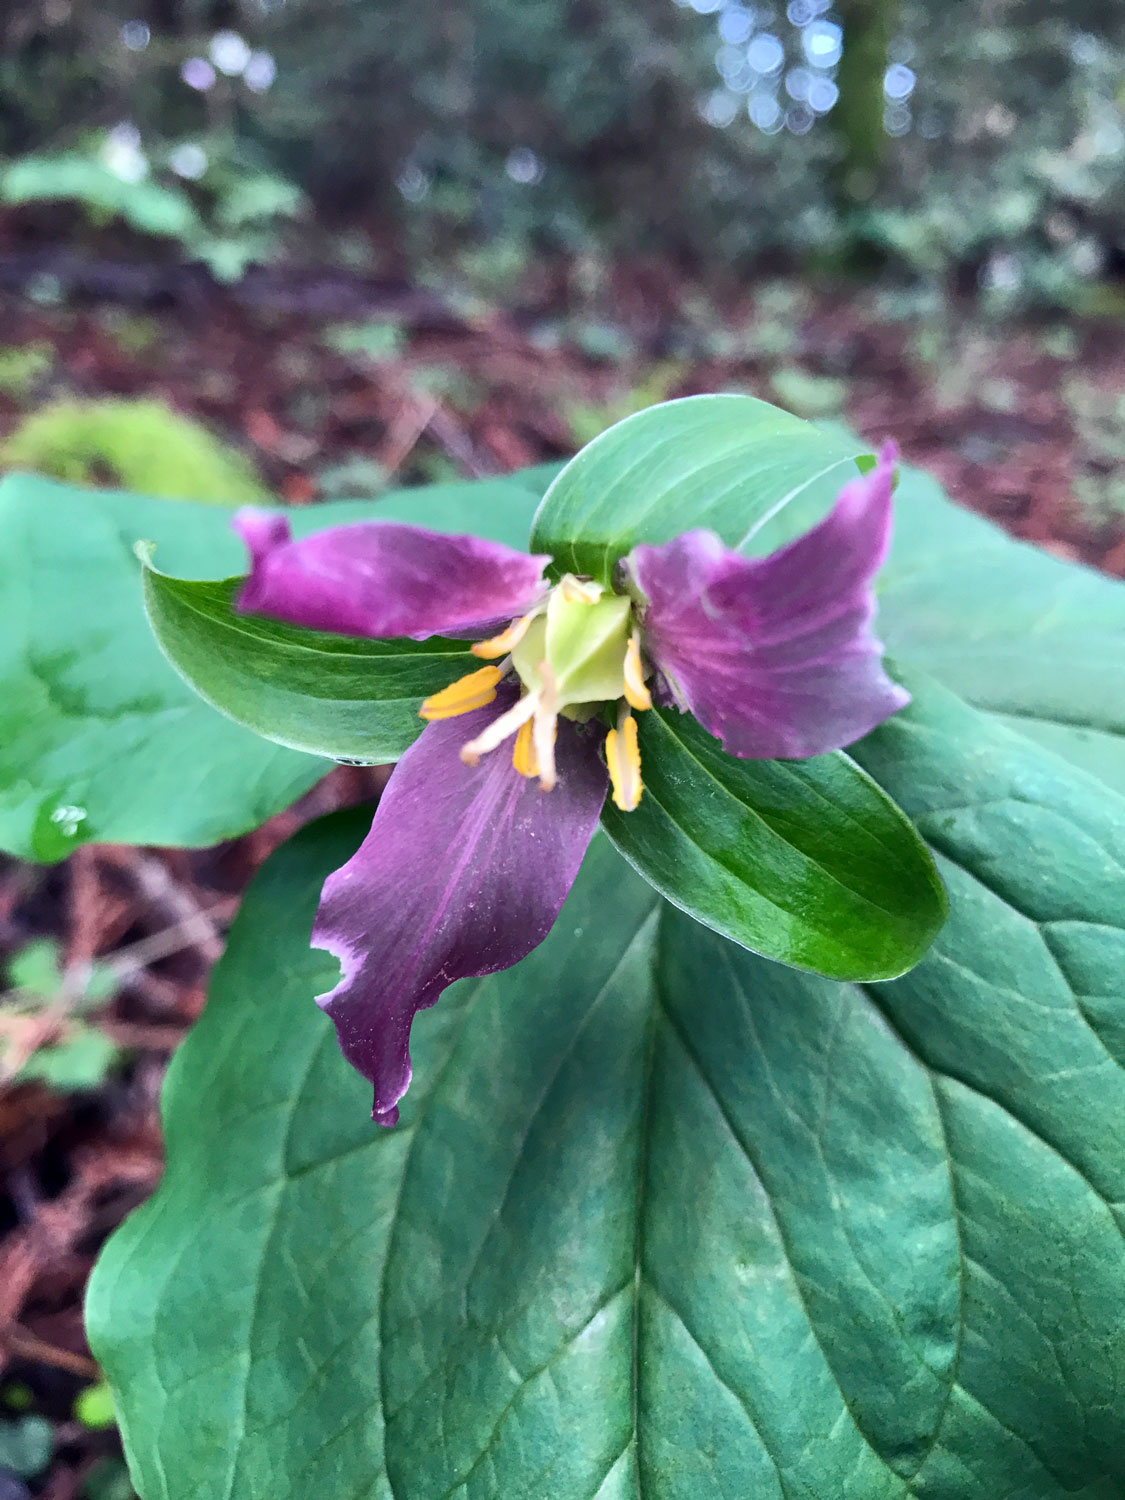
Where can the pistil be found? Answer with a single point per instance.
(545, 727)
(500, 729)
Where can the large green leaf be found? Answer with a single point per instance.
(1037, 641)
(807, 861)
(662, 1219)
(99, 738)
(724, 462)
(334, 695)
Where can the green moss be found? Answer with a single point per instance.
(134, 445)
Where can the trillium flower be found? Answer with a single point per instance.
(484, 822)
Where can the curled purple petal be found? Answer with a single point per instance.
(382, 579)
(463, 873)
(775, 655)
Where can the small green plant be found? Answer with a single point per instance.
(82, 177)
(781, 307)
(358, 474)
(492, 268)
(45, 1029)
(22, 367)
(808, 395)
(229, 218)
(586, 418)
(138, 445)
(1098, 415)
(377, 341)
(93, 1407)
(135, 334)
(604, 343)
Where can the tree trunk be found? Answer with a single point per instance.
(869, 27)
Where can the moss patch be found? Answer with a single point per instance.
(134, 445)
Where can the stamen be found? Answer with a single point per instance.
(580, 591)
(623, 757)
(475, 690)
(524, 757)
(637, 694)
(507, 640)
(500, 729)
(545, 728)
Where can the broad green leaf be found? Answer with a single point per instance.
(724, 462)
(99, 738)
(662, 1219)
(808, 862)
(332, 695)
(1037, 641)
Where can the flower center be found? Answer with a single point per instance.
(576, 653)
(582, 643)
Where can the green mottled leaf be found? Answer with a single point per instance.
(99, 738)
(808, 862)
(333, 695)
(662, 1219)
(724, 462)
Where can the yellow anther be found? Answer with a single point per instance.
(580, 590)
(623, 757)
(507, 640)
(461, 697)
(637, 694)
(524, 757)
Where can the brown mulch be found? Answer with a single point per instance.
(466, 393)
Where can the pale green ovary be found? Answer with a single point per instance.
(584, 645)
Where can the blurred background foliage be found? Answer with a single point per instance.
(977, 143)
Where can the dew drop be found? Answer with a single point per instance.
(67, 817)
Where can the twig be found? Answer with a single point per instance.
(174, 939)
(143, 1038)
(408, 425)
(28, 1034)
(154, 881)
(457, 445)
(25, 1345)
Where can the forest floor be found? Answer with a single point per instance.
(335, 387)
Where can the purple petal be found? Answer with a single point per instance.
(776, 655)
(463, 873)
(381, 579)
